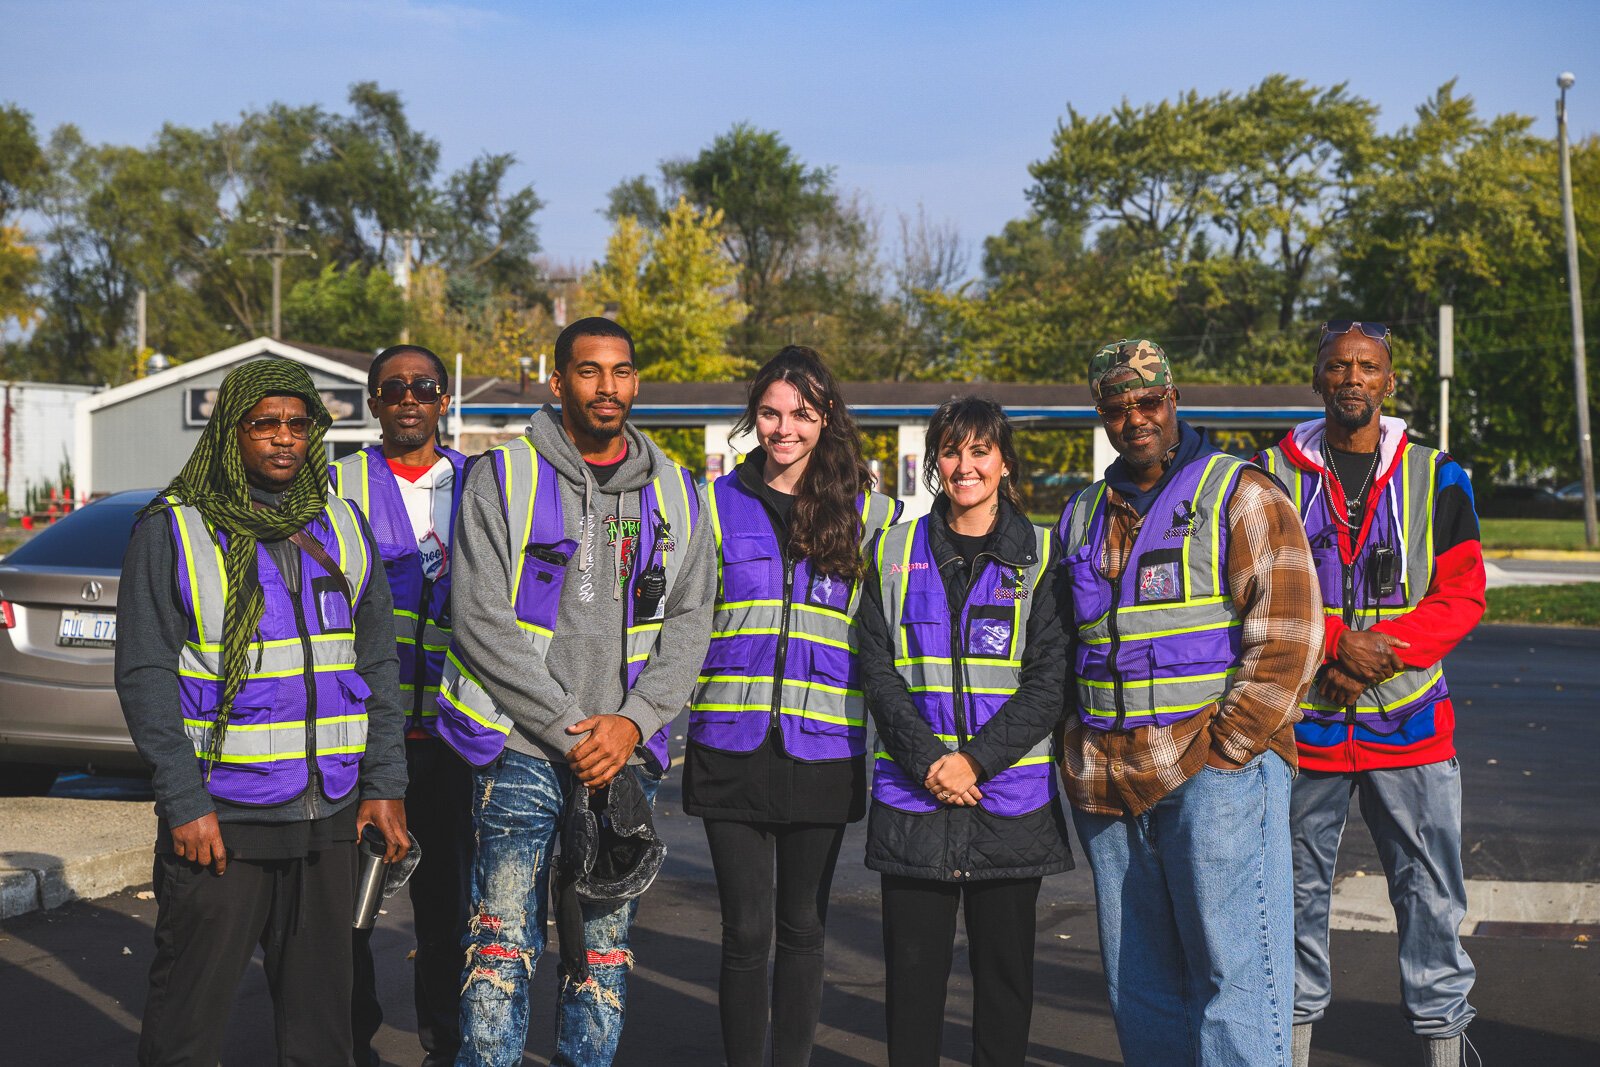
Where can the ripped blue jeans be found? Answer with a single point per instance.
(516, 815)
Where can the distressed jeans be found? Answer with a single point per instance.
(1414, 814)
(516, 816)
(1195, 902)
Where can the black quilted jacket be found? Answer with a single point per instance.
(957, 844)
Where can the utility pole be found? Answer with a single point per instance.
(1580, 370)
(1447, 370)
(406, 237)
(278, 250)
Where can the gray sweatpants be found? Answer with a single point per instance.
(1414, 815)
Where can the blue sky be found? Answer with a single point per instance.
(943, 104)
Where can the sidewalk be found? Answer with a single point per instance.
(53, 850)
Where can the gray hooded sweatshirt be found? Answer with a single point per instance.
(583, 673)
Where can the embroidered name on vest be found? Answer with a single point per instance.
(903, 568)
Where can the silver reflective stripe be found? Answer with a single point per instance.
(282, 658)
(817, 701)
(672, 497)
(936, 674)
(351, 480)
(265, 742)
(1207, 606)
(435, 638)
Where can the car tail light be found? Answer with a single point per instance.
(8, 615)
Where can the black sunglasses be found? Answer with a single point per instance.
(267, 429)
(393, 391)
(1375, 330)
(1148, 406)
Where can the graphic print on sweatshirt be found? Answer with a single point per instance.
(628, 531)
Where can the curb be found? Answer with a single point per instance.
(25, 887)
(1546, 555)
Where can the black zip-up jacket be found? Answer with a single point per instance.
(958, 844)
(768, 785)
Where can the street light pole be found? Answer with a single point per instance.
(1580, 370)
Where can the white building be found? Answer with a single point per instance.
(37, 421)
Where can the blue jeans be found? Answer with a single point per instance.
(1414, 814)
(516, 815)
(1196, 919)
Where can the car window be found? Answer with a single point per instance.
(96, 536)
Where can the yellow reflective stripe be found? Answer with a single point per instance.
(536, 629)
(766, 709)
(317, 668)
(335, 750)
(1431, 680)
(463, 708)
(821, 687)
(644, 628)
(772, 631)
(284, 642)
(188, 559)
(905, 584)
(366, 482)
(426, 647)
(1147, 683)
(408, 614)
(910, 661)
(520, 544)
(1145, 713)
(293, 724)
(716, 530)
(1003, 691)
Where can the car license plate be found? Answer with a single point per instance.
(87, 629)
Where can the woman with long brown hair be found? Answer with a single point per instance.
(777, 727)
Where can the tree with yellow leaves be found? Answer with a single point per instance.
(674, 289)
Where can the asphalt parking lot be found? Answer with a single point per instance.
(1528, 737)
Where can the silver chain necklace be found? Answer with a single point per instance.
(1333, 479)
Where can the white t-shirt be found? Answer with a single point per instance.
(428, 507)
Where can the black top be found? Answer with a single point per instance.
(1356, 472)
(152, 625)
(968, 546)
(769, 785)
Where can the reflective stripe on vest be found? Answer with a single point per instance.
(984, 671)
(1162, 642)
(267, 728)
(1403, 519)
(541, 553)
(822, 710)
(365, 478)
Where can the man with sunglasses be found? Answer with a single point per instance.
(1395, 538)
(255, 664)
(1198, 626)
(409, 486)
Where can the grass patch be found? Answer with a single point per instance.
(9, 543)
(1566, 534)
(1556, 605)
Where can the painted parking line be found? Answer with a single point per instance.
(1509, 908)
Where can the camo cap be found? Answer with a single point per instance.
(1143, 357)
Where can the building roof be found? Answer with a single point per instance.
(881, 403)
(333, 361)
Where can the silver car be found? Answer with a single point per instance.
(58, 633)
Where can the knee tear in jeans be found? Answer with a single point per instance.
(593, 988)
(486, 962)
(488, 788)
(617, 957)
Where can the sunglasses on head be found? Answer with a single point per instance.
(1148, 406)
(266, 429)
(393, 390)
(1375, 330)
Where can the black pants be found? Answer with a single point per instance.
(919, 928)
(439, 816)
(745, 856)
(207, 928)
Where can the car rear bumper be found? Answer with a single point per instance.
(65, 725)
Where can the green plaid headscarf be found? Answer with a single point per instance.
(213, 482)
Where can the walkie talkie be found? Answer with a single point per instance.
(651, 586)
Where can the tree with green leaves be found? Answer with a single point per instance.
(675, 292)
(23, 171)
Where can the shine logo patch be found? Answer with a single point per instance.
(1160, 581)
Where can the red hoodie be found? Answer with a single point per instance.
(1448, 611)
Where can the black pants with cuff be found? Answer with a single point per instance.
(439, 816)
(919, 929)
(747, 857)
(207, 928)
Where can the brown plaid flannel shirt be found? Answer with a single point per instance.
(1275, 588)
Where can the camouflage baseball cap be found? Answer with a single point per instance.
(1143, 357)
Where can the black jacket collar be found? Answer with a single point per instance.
(1011, 542)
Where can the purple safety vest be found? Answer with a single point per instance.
(783, 642)
(421, 606)
(302, 704)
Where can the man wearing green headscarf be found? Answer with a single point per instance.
(256, 668)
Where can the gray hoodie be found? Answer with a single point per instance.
(583, 673)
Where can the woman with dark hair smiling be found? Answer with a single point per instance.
(777, 726)
(964, 663)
